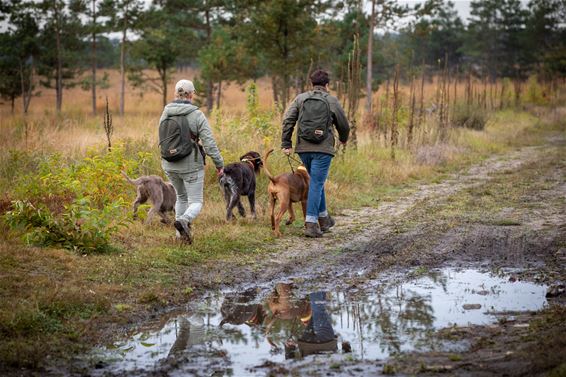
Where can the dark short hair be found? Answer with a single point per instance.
(320, 77)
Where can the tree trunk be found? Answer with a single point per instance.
(421, 98)
(209, 83)
(275, 89)
(26, 92)
(370, 62)
(219, 94)
(394, 113)
(93, 57)
(123, 61)
(285, 91)
(412, 113)
(59, 68)
(163, 75)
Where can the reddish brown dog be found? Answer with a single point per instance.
(287, 188)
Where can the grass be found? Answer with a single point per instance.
(55, 299)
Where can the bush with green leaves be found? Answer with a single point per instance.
(470, 116)
(80, 227)
(535, 93)
(76, 205)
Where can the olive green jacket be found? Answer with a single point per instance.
(339, 121)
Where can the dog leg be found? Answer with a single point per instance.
(272, 200)
(304, 206)
(140, 199)
(164, 218)
(291, 215)
(234, 199)
(241, 209)
(283, 207)
(251, 199)
(157, 201)
(234, 196)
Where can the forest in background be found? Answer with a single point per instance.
(60, 44)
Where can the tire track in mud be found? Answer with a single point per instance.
(345, 251)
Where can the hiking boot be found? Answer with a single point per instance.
(326, 223)
(312, 230)
(185, 231)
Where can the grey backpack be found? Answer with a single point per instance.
(315, 118)
(175, 138)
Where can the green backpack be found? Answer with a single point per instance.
(175, 138)
(315, 118)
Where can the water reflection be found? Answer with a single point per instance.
(238, 331)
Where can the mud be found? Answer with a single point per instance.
(243, 333)
(388, 264)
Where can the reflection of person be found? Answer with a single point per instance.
(237, 310)
(318, 335)
(191, 332)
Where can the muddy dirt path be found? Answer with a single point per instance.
(371, 239)
(496, 231)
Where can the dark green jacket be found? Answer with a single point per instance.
(339, 121)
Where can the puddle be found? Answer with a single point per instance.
(235, 333)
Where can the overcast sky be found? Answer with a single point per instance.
(462, 6)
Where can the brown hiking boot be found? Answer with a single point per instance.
(326, 223)
(183, 227)
(312, 230)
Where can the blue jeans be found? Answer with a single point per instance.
(317, 165)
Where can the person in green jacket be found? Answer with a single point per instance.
(187, 174)
(317, 113)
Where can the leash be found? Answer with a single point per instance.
(294, 159)
(291, 165)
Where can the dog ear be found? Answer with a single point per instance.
(247, 155)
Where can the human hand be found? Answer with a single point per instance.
(219, 172)
(288, 151)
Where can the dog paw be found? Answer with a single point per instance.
(288, 222)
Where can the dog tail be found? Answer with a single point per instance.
(271, 178)
(132, 181)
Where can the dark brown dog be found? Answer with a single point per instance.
(287, 188)
(239, 180)
(162, 195)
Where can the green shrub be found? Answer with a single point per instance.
(76, 205)
(472, 117)
(80, 227)
(535, 93)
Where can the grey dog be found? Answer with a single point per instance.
(162, 195)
